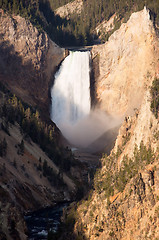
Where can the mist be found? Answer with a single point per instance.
(87, 130)
(71, 103)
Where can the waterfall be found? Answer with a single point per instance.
(71, 102)
(71, 90)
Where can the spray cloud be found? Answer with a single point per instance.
(71, 102)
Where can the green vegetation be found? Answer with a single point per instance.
(14, 111)
(94, 12)
(48, 172)
(3, 148)
(39, 12)
(25, 8)
(78, 30)
(117, 180)
(155, 97)
(21, 148)
(126, 138)
(58, 3)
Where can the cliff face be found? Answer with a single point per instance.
(28, 59)
(126, 65)
(70, 8)
(23, 185)
(124, 203)
(132, 214)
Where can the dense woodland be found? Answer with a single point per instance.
(78, 30)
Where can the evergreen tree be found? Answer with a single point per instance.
(21, 147)
(3, 148)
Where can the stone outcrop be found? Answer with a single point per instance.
(105, 27)
(126, 65)
(28, 59)
(70, 8)
(133, 214)
(23, 186)
(140, 127)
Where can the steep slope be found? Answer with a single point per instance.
(105, 27)
(24, 185)
(124, 203)
(70, 8)
(29, 178)
(35, 170)
(125, 63)
(27, 58)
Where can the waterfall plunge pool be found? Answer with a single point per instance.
(71, 102)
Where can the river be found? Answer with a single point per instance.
(40, 222)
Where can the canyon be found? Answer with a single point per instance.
(125, 67)
(123, 70)
(27, 57)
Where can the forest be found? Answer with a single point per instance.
(78, 30)
(13, 110)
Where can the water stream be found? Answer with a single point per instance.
(71, 91)
(44, 220)
(85, 129)
(71, 102)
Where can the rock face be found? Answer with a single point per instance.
(140, 127)
(125, 204)
(70, 8)
(27, 58)
(105, 27)
(126, 65)
(23, 186)
(133, 214)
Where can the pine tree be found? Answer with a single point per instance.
(3, 148)
(21, 147)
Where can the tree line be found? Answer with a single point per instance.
(78, 30)
(13, 110)
(94, 12)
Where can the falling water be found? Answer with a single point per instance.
(71, 102)
(71, 91)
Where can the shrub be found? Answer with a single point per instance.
(155, 97)
(113, 179)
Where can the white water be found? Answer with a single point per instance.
(71, 91)
(71, 102)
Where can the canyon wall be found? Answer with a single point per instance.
(126, 65)
(124, 203)
(70, 8)
(124, 68)
(28, 59)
